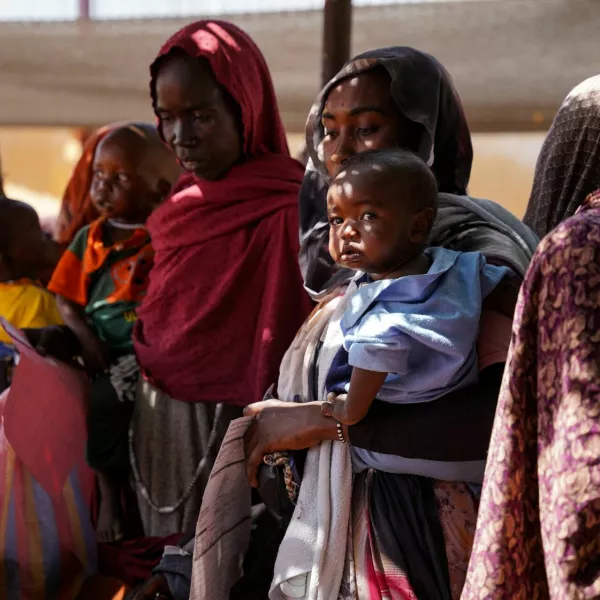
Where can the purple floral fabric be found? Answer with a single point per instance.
(538, 533)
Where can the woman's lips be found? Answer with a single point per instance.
(191, 163)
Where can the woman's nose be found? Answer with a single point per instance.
(344, 149)
(183, 132)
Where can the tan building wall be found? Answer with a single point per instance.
(504, 166)
(37, 162)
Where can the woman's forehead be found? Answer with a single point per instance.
(183, 75)
(371, 88)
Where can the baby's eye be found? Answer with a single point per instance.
(335, 221)
(369, 216)
(123, 178)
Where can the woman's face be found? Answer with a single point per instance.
(196, 119)
(359, 115)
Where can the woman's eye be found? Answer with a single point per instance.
(203, 118)
(366, 131)
(164, 118)
(123, 178)
(369, 216)
(331, 135)
(335, 221)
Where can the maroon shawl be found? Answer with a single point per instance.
(226, 296)
(538, 531)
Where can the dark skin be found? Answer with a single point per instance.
(198, 123)
(196, 117)
(372, 230)
(125, 189)
(361, 115)
(26, 252)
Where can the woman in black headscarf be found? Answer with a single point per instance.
(420, 521)
(416, 107)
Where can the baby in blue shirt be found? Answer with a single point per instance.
(410, 329)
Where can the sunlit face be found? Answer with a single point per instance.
(360, 114)
(195, 118)
(371, 228)
(122, 182)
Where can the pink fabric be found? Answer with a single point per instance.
(44, 417)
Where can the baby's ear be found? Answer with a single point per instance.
(421, 226)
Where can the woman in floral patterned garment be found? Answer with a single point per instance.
(538, 532)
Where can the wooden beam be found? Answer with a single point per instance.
(337, 34)
(84, 10)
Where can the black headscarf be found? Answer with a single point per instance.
(568, 168)
(424, 93)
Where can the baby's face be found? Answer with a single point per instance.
(32, 251)
(121, 185)
(370, 227)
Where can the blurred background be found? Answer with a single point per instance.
(69, 66)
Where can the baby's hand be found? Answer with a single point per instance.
(334, 406)
(95, 354)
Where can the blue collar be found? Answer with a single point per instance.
(408, 289)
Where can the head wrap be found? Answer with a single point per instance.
(225, 297)
(424, 93)
(568, 168)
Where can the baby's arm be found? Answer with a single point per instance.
(364, 386)
(94, 352)
(503, 298)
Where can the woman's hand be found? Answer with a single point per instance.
(279, 426)
(156, 587)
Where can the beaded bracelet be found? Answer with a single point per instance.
(340, 432)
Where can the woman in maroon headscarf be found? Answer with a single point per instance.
(226, 296)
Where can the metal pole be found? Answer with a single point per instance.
(84, 10)
(337, 32)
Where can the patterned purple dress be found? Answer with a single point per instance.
(538, 533)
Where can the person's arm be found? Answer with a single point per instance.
(503, 298)
(94, 352)
(364, 386)
(454, 428)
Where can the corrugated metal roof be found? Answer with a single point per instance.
(513, 60)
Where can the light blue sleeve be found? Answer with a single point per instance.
(491, 276)
(471, 471)
(376, 343)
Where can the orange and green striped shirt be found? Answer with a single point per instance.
(108, 280)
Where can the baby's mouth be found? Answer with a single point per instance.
(350, 255)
